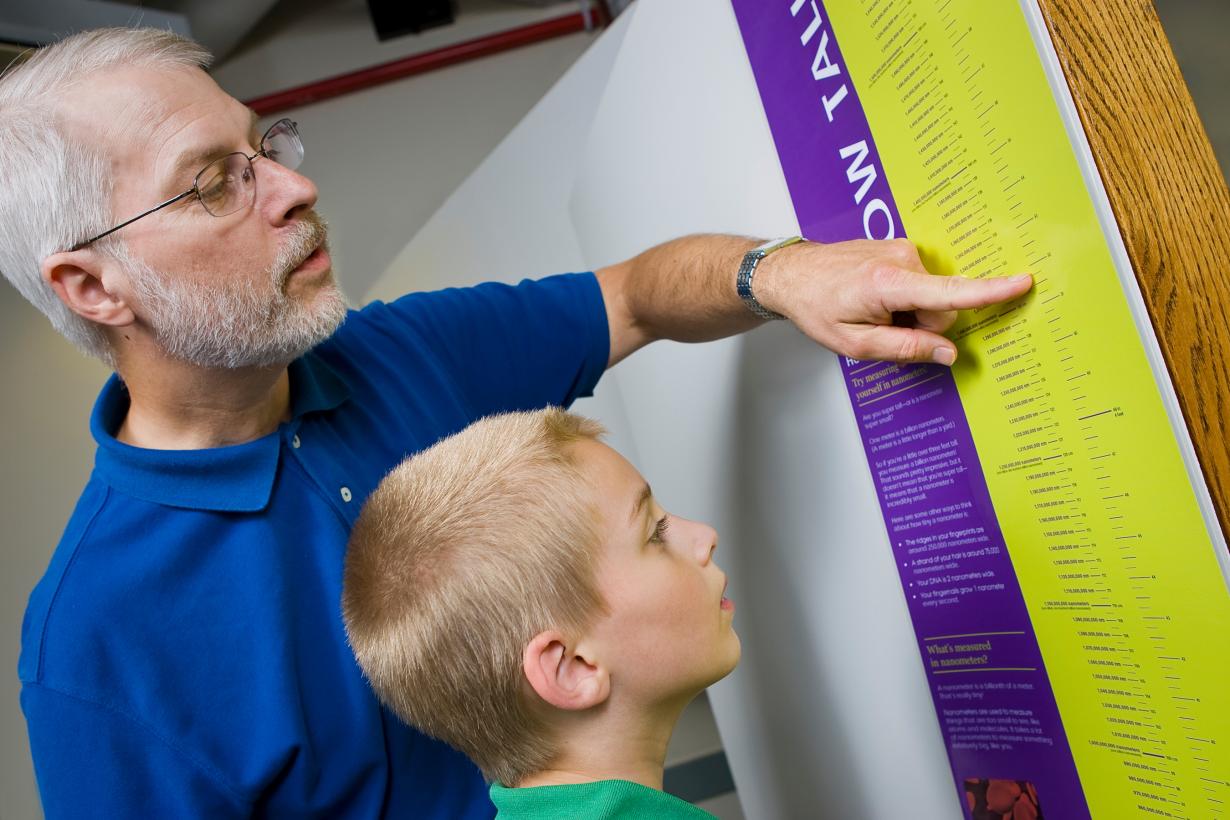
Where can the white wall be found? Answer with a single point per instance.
(508, 221)
(384, 160)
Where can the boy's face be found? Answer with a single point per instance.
(669, 632)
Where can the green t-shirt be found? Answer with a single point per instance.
(615, 799)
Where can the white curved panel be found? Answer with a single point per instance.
(829, 714)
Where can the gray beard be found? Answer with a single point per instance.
(239, 324)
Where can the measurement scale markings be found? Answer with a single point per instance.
(1096, 597)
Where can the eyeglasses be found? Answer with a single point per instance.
(227, 185)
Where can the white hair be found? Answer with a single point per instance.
(55, 188)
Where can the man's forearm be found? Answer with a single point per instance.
(864, 299)
(682, 290)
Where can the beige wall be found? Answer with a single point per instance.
(1197, 30)
(48, 454)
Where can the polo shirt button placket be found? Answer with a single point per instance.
(294, 442)
(346, 496)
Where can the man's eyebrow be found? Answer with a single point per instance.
(254, 121)
(642, 499)
(194, 159)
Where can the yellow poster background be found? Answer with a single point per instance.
(1118, 571)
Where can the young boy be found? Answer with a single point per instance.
(518, 592)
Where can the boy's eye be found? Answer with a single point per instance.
(659, 531)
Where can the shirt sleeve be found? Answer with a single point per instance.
(94, 761)
(506, 347)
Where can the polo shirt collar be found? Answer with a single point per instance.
(238, 478)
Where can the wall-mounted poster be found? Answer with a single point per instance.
(1066, 584)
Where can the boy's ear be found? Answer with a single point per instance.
(77, 278)
(561, 676)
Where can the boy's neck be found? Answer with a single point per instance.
(613, 746)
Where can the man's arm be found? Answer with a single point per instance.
(843, 295)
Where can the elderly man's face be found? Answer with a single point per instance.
(254, 287)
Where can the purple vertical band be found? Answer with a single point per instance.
(994, 702)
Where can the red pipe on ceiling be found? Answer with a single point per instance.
(428, 61)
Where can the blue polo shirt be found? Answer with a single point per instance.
(184, 655)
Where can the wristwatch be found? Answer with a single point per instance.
(747, 270)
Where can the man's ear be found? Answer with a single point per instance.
(562, 676)
(78, 278)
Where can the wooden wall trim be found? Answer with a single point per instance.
(1169, 197)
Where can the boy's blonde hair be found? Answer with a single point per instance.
(460, 557)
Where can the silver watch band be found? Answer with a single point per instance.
(747, 271)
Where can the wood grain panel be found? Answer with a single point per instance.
(1169, 197)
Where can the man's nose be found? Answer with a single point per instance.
(282, 194)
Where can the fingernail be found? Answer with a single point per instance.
(944, 355)
(1022, 277)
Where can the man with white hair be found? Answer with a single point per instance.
(184, 655)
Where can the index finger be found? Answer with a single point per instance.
(923, 291)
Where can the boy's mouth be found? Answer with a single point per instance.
(727, 604)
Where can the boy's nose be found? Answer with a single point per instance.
(706, 543)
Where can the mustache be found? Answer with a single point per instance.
(308, 233)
